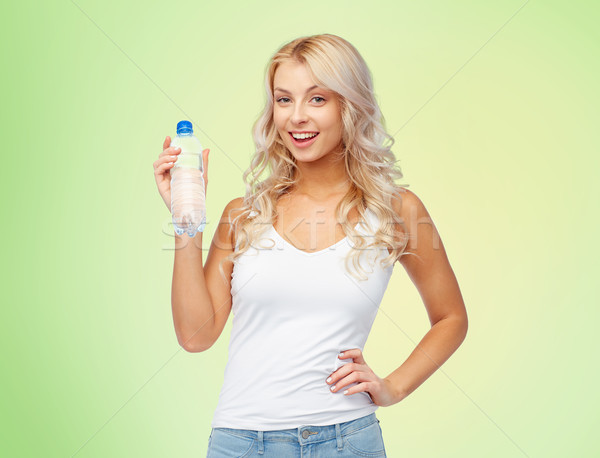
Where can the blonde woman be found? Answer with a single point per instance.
(303, 261)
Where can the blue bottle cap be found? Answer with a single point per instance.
(184, 127)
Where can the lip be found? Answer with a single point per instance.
(303, 144)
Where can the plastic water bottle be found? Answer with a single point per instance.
(188, 206)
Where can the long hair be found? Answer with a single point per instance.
(334, 64)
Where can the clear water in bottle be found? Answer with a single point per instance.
(188, 206)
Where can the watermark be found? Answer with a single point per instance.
(308, 234)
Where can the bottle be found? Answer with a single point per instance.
(188, 207)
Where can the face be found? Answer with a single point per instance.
(300, 107)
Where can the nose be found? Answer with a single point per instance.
(299, 115)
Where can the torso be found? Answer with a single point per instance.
(310, 226)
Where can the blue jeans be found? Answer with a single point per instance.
(360, 437)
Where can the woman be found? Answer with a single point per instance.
(303, 260)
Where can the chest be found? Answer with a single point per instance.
(310, 228)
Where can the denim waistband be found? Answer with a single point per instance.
(305, 434)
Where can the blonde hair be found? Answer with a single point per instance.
(334, 64)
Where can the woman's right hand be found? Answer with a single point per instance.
(162, 170)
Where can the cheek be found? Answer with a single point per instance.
(333, 131)
(279, 123)
(332, 122)
(280, 128)
(278, 119)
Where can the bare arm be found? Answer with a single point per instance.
(200, 297)
(434, 278)
(190, 300)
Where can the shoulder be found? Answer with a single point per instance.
(414, 220)
(420, 232)
(226, 228)
(233, 205)
(407, 205)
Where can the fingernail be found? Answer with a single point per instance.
(329, 380)
(333, 388)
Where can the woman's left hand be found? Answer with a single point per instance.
(380, 390)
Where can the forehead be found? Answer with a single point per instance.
(293, 76)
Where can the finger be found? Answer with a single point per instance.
(364, 386)
(355, 354)
(170, 150)
(169, 157)
(345, 381)
(162, 168)
(341, 372)
(167, 142)
(165, 158)
(205, 162)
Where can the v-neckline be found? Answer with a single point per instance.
(312, 253)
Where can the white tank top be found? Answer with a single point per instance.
(293, 313)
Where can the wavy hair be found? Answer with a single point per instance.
(334, 64)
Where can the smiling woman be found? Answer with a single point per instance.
(296, 381)
(321, 133)
(308, 116)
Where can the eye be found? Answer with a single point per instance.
(286, 99)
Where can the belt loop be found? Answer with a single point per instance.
(338, 435)
(261, 446)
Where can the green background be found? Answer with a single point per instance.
(494, 107)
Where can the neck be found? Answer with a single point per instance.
(321, 181)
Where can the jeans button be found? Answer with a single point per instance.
(305, 434)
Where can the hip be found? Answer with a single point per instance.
(359, 437)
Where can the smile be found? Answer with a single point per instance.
(305, 140)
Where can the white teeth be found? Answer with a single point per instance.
(301, 136)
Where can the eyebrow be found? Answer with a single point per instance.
(288, 92)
